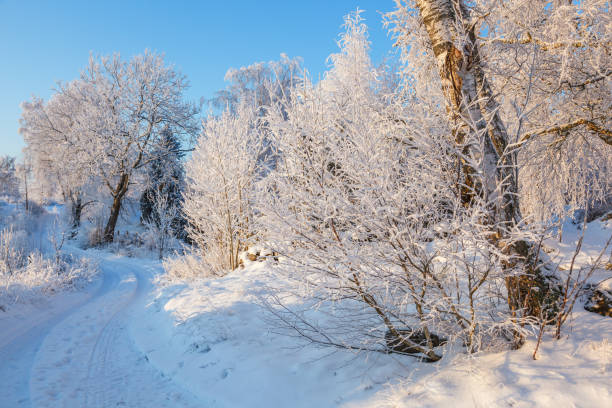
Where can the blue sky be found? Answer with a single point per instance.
(42, 42)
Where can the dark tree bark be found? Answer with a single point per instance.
(77, 209)
(118, 194)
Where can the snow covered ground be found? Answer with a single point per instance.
(73, 350)
(124, 341)
(214, 338)
(22, 330)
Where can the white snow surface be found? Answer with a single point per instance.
(213, 338)
(126, 342)
(76, 352)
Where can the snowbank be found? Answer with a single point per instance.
(32, 262)
(213, 337)
(572, 372)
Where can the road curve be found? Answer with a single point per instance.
(84, 357)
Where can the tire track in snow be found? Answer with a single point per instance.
(19, 346)
(89, 360)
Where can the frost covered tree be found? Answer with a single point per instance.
(9, 183)
(56, 147)
(220, 186)
(547, 64)
(164, 186)
(551, 62)
(108, 124)
(259, 84)
(364, 205)
(530, 144)
(133, 102)
(125, 106)
(443, 32)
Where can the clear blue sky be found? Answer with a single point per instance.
(42, 42)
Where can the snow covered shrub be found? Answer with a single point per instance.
(188, 266)
(161, 230)
(42, 276)
(364, 205)
(220, 182)
(95, 234)
(30, 268)
(13, 250)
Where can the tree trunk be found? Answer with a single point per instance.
(25, 184)
(472, 108)
(462, 78)
(118, 194)
(76, 210)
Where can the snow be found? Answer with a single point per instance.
(571, 372)
(596, 234)
(213, 338)
(77, 353)
(22, 330)
(133, 338)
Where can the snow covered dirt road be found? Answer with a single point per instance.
(83, 355)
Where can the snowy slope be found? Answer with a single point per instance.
(575, 371)
(213, 338)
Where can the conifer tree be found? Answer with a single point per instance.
(165, 180)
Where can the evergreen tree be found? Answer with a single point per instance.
(9, 184)
(165, 180)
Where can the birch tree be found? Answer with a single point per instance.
(548, 63)
(220, 186)
(486, 161)
(364, 206)
(551, 62)
(56, 146)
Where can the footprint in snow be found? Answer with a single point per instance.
(225, 373)
(195, 347)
